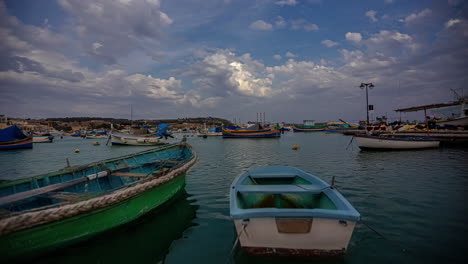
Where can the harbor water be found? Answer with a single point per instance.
(413, 203)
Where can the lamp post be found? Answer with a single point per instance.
(370, 85)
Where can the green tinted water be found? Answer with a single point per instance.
(415, 199)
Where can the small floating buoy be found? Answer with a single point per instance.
(96, 144)
(295, 147)
(77, 150)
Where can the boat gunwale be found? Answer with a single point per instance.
(401, 138)
(76, 168)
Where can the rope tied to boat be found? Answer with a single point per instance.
(27, 220)
(244, 224)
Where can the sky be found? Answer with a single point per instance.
(290, 59)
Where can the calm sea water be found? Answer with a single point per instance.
(416, 200)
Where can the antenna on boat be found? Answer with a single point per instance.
(333, 182)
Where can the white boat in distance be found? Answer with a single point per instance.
(118, 138)
(395, 142)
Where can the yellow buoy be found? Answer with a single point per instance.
(96, 143)
(77, 150)
(295, 147)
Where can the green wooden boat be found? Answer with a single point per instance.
(44, 212)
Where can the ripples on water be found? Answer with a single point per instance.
(415, 199)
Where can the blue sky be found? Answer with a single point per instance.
(293, 59)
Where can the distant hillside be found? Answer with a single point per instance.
(209, 121)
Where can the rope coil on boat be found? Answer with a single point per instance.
(27, 220)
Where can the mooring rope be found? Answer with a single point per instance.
(231, 253)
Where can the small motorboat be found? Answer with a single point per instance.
(284, 211)
(392, 142)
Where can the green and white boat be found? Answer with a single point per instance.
(44, 212)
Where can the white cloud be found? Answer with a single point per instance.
(223, 73)
(417, 16)
(389, 1)
(280, 22)
(452, 22)
(290, 55)
(119, 27)
(286, 2)
(329, 43)
(371, 14)
(261, 25)
(277, 57)
(354, 37)
(303, 24)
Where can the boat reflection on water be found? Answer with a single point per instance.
(145, 240)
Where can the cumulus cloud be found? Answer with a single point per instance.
(261, 25)
(286, 2)
(417, 16)
(277, 57)
(223, 73)
(452, 22)
(290, 55)
(354, 37)
(303, 24)
(371, 14)
(329, 43)
(119, 27)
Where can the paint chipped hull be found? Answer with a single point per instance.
(291, 237)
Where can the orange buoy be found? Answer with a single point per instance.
(295, 147)
(77, 150)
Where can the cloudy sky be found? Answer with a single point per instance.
(293, 59)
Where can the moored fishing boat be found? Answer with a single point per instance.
(47, 211)
(261, 133)
(307, 129)
(390, 142)
(46, 138)
(13, 138)
(280, 210)
(118, 138)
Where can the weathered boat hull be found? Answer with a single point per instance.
(284, 211)
(18, 144)
(463, 121)
(45, 228)
(255, 134)
(131, 140)
(43, 139)
(370, 142)
(323, 237)
(46, 237)
(297, 129)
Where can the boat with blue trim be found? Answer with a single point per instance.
(13, 138)
(285, 211)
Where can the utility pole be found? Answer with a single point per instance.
(366, 85)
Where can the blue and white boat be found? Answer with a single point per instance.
(285, 211)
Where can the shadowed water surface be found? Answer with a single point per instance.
(414, 199)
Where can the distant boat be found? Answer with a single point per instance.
(395, 142)
(44, 138)
(308, 129)
(461, 120)
(47, 211)
(261, 133)
(284, 211)
(96, 136)
(309, 126)
(118, 138)
(13, 138)
(215, 131)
